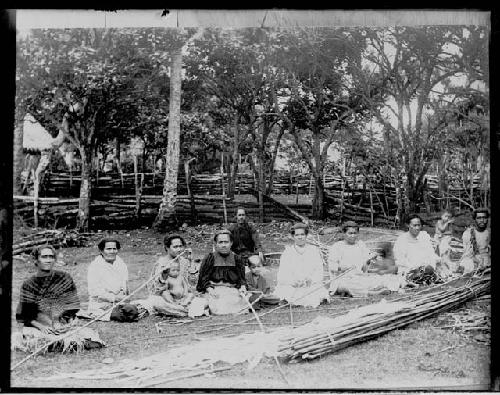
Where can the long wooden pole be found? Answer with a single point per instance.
(280, 369)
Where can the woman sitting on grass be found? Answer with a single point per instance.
(352, 253)
(222, 277)
(300, 274)
(107, 281)
(47, 308)
(169, 293)
(414, 254)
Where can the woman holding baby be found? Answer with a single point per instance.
(169, 292)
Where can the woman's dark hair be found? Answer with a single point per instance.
(103, 242)
(36, 253)
(481, 210)
(299, 225)
(413, 216)
(350, 224)
(167, 241)
(223, 232)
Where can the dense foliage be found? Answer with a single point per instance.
(396, 103)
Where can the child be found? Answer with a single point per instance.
(257, 283)
(442, 239)
(175, 288)
(381, 263)
(444, 231)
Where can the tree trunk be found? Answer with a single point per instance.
(83, 216)
(233, 166)
(223, 188)
(318, 203)
(442, 182)
(138, 189)
(270, 183)
(166, 218)
(261, 186)
(192, 204)
(18, 152)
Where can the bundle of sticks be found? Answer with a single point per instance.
(56, 238)
(371, 321)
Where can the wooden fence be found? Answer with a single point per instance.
(118, 211)
(367, 201)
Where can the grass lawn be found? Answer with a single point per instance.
(420, 355)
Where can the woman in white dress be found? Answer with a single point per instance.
(414, 249)
(352, 253)
(300, 274)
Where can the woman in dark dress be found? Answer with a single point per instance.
(222, 277)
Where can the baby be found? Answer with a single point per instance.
(381, 263)
(176, 288)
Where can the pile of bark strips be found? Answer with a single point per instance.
(56, 238)
(371, 321)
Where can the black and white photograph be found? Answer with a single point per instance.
(250, 200)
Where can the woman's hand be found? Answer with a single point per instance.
(119, 296)
(211, 292)
(243, 291)
(298, 283)
(47, 330)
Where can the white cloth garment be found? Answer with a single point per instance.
(104, 280)
(411, 252)
(300, 276)
(342, 255)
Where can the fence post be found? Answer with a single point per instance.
(371, 207)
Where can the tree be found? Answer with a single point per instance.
(417, 67)
(323, 68)
(78, 80)
(166, 217)
(237, 71)
(166, 212)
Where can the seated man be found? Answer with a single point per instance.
(107, 281)
(259, 285)
(476, 240)
(414, 253)
(47, 308)
(222, 277)
(245, 237)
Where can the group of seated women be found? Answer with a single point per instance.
(224, 284)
